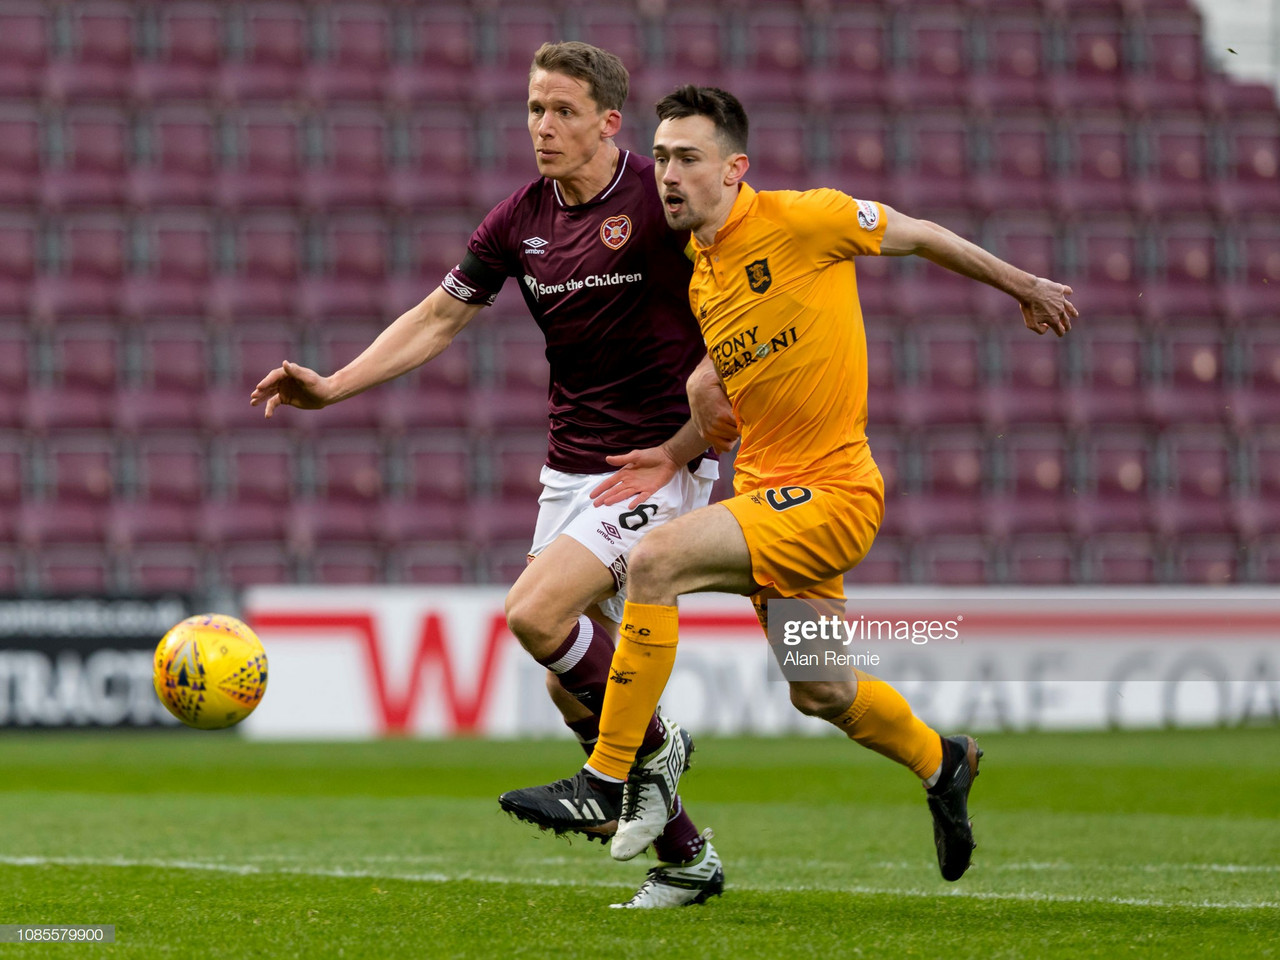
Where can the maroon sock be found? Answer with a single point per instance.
(587, 730)
(582, 665)
(679, 841)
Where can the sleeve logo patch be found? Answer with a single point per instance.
(868, 215)
(615, 231)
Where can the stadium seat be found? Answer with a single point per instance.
(781, 148)
(433, 396)
(1030, 387)
(1173, 74)
(1123, 559)
(263, 277)
(1106, 250)
(87, 269)
(259, 467)
(1119, 479)
(182, 145)
(894, 456)
(18, 250)
(351, 168)
(1256, 512)
(1019, 167)
(1208, 561)
(176, 261)
(1036, 484)
(15, 454)
(160, 568)
(1249, 298)
(1190, 389)
(13, 575)
(623, 31)
(86, 354)
(935, 174)
(1201, 479)
(517, 32)
(250, 564)
(778, 49)
(351, 284)
(854, 65)
(265, 168)
(883, 374)
(24, 48)
(953, 476)
(934, 68)
(89, 170)
(1187, 261)
(1251, 184)
(948, 362)
(860, 146)
(695, 43)
(438, 466)
(1040, 560)
(187, 56)
(436, 244)
(172, 467)
(1013, 71)
(519, 396)
(1099, 154)
(349, 466)
(1177, 180)
(442, 58)
(252, 351)
(71, 569)
(888, 562)
(268, 63)
(20, 134)
(1254, 402)
(357, 54)
(16, 351)
(954, 562)
(516, 461)
(430, 563)
(347, 563)
(1094, 64)
(99, 61)
(438, 168)
(131, 522)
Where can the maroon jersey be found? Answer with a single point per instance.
(608, 283)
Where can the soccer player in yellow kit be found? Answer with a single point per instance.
(775, 292)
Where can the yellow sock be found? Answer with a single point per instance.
(880, 718)
(639, 673)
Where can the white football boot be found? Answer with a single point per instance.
(681, 884)
(650, 792)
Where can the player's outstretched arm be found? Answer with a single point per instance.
(1044, 303)
(413, 338)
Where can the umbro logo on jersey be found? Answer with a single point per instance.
(534, 245)
(458, 288)
(615, 231)
(584, 809)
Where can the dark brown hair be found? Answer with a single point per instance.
(720, 107)
(606, 78)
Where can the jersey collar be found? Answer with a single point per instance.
(741, 206)
(617, 178)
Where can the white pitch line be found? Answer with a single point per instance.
(344, 873)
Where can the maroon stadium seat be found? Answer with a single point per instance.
(12, 570)
(954, 473)
(90, 169)
(888, 562)
(1018, 177)
(861, 146)
(1100, 163)
(1192, 362)
(263, 277)
(187, 57)
(348, 563)
(177, 266)
(18, 247)
(854, 69)
(165, 568)
(954, 562)
(358, 54)
(19, 155)
(1177, 182)
(1028, 241)
(695, 43)
(1256, 512)
(1039, 560)
(1173, 77)
(1210, 561)
(519, 396)
(432, 563)
(356, 252)
(131, 522)
(352, 168)
(73, 568)
(622, 31)
(173, 376)
(781, 148)
(883, 374)
(442, 59)
(1122, 559)
(86, 354)
(1119, 480)
(1252, 182)
(182, 146)
(1094, 68)
(1201, 477)
(1107, 252)
(949, 369)
(935, 68)
(438, 169)
(24, 48)
(516, 461)
(267, 165)
(778, 50)
(1015, 65)
(518, 30)
(16, 351)
(1112, 379)
(173, 467)
(99, 62)
(249, 564)
(937, 169)
(1250, 297)
(1031, 386)
(270, 64)
(1187, 257)
(1255, 400)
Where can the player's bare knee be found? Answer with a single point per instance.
(650, 567)
(531, 626)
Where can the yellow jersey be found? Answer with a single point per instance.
(777, 300)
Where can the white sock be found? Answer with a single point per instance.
(600, 776)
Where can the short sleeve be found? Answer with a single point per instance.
(479, 277)
(835, 226)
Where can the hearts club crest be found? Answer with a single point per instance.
(615, 231)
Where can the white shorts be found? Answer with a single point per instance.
(611, 532)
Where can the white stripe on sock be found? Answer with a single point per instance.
(578, 650)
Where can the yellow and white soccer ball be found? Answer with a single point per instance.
(210, 671)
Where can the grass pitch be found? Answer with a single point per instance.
(193, 844)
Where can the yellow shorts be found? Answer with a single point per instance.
(804, 539)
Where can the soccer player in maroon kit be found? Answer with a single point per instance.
(606, 280)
